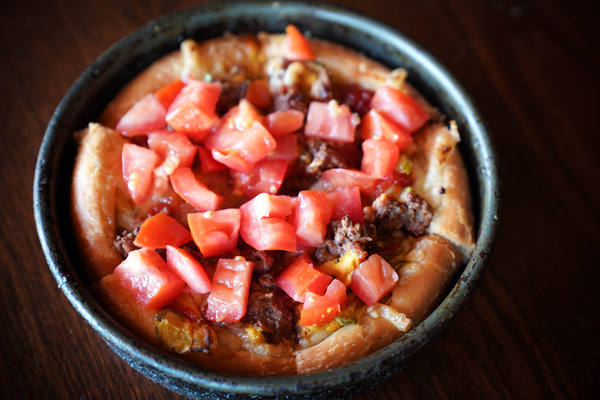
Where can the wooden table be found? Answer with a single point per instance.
(530, 331)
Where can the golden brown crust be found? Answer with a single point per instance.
(95, 178)
(244, 362)
(424, 277)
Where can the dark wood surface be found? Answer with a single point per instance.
(530, 331)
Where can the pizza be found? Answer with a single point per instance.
(270, 204)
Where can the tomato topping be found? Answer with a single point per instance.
(376, 126)
(146, 276)
(168, 93)
(313, 212)
(287, 148)
(399, 108)
(192, 121)
(207, 162)
(231, 284)
(189, 269)
(335, 178)
(256, 143)
(160, 231)
(265, 177)
(282, 122)
(215, 232)
(194, 192)
(302, 277)
(263, 225)
(346, 201)
(373, 279)
(204, 95)
(357, 98)
(231, 159)
(330, 121)
(259, 94)
(147, 114)
(379, 158)
(174, 146)
(296, 46)
(138, 164)
(319, 310)
(186, 306)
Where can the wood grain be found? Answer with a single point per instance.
(530, 331)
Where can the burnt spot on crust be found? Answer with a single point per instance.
(123, 243)
(343, 237)
(270, 310)
(388, 214)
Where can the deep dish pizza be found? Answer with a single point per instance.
(268, 204)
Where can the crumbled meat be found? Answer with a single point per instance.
(289, 101)
(124, 242)
(320, 89)
(323, 156)
(344, 237)
(270, 309)
(388, 214)
(263, 261)
(231, 94)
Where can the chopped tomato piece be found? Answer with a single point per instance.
(399, 108)
(376, 126)
(313, 212)
(379, 158)
(302, 277)
(263, 225)
(215, 232)
(204, 95)
(265, 177)
(231, 159)
(296, 46)
(189, 269)
(258, 94)
(392, 185)
(194, 192)
(373, 279)
(287, 148)
(330, 121)
(174, 146)
(256, 143)
(282, 122)
(346, 201)
(228, 131)
(146, 276)
(138, 164)
(147, 114)
(319, 310)
(335, 178)
(231, 284)
(186, 306)
(207, 162)
(169, 92)
(192, 121)
(160, 231)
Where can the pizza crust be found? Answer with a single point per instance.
(423, 279)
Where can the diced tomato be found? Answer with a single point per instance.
(192, 121)
(207, 162)
(184, 265)
(379, 158)
(265, 177)
(302, 277)
(263, 225)
(160, 231)
(330, 121)
(194, 192)
(147, 114)
(258, 94)
(231, 284)
(399, 108)
(392, 185)
(231, 159)
(313, 212)
(146, 276)
(296, 46)
(346, 201)
(319, 310)
(168, 93)
(138, 164)
(282, 122)
(228, 131)
(287, 148)
(335, 178)
(376, 126)
(169, 144)
(256, 143)
(215, 232)
(373, 279)
(357, 98)
(204, 95)
(186, 306)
